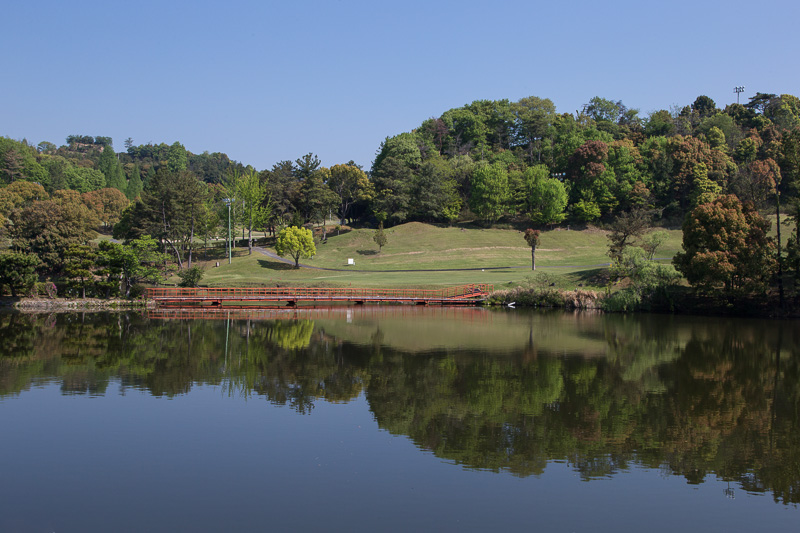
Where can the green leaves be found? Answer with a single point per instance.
(131, 263)
(296, 243)
(380, 237)
(547, 197)
(490, 192)
(191, 277)
(18, 271)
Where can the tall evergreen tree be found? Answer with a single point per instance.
(148, 179)
(111, 169)
(135, 185)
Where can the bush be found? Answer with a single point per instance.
(46, 289)
(190, 277)
(542, 280)
(550, 297)
(622, 301)
(651, 283)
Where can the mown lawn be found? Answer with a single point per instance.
(497, 256)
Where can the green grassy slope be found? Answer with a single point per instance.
(569, 254)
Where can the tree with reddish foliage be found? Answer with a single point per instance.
(726, 247)
(686, 153)
(532, 238)
(107, 204)
(768, 173)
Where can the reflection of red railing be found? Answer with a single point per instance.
(475, 291)
(471, 314)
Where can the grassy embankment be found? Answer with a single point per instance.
(571, 257)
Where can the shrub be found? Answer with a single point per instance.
(190, 277)
(622, 301)
(549, 297)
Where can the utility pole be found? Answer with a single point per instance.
(228, 203)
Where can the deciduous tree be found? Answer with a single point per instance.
(48, 227)
(726, 247)
(490, 192)
(177, 158)
(252, 192)
(296, 243)
(350, 184)
(535, 117)
(19, 194)
(591, 180)
(107, 204)
(547, 197)
(624, 229)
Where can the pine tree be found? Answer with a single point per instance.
(78, 262)
(111, 169)
(135, 185)
(151, 174)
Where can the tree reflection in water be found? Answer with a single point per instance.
(692, 397)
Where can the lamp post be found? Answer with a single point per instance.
(738, 90)
(228, 203)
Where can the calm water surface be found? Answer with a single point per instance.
(398, 418)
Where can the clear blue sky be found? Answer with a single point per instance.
(267, 81)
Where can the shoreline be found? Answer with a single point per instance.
(73, 304)
(580, 300)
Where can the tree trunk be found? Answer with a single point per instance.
(191, 243)
(167, 241)
(533, 257)
(250, 235)
(177, 253)
(343, 213)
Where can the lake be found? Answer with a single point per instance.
(397, 418)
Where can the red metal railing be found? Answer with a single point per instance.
(314, 293)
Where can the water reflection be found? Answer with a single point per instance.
(502, 391)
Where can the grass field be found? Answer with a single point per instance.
(498, 256)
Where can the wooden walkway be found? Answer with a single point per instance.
(288, 296)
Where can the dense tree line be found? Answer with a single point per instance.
(494, 156)
(486, 161)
